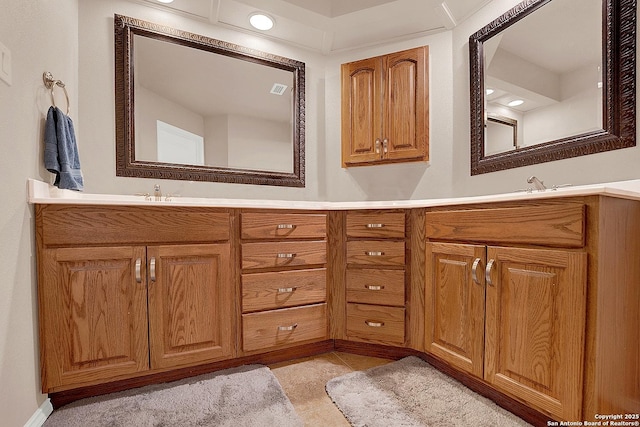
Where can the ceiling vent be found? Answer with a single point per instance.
(278, 89)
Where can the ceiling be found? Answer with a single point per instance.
(332, 25)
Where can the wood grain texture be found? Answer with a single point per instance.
(277, 328)
(281, 289)
(93, 320)
(376, 286)
(415, 301)
(260, 255)
(115, 225)
(548, 225)
(375, 224)
(455, 305)
(534, 337)
(283, 226)
(336, 274)
(375, 323)
(190, 315)
(376, 253)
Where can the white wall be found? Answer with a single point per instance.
(42, 36)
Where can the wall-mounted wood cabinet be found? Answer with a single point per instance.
(385, 109)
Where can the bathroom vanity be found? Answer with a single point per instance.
(530, 299)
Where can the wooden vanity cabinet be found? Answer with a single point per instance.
(125, 291)
(512, 315)
(283, 279)
(375, 277)
(385, 109)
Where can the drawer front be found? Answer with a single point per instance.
(375, 224)
(266, 291)
(287, 326)
(375, 252)
(283, 226)
(554, 225)
(375, 323)
(283, 254)
(368, 286)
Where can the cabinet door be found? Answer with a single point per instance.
(93, 315)
(454, 304)
(361, 111)
(535, 326)
(406, 116)
(190, 304)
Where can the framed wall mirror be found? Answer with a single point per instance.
(193, 108)
(565, 71)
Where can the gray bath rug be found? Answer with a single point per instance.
(411, 393)
(245, 396)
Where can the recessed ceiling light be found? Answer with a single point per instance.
(489, 91)
(260, 21)
(515, 103)
(165, 1)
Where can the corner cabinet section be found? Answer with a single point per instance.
(385, 109)
(514, 316)
(125, 291)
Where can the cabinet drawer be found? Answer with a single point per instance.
(284, 327)
(385, 287)
(283, 226)
(375, 252)
(373, 322)
(265, 291)
(375, 224)
(283, 254)
(553, 225)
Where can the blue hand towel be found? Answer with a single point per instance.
(61, 151)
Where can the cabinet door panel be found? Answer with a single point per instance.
(406, 117)
(93, 318)
(361, 111)
(535, 327)
(190, 317)
(454, 305)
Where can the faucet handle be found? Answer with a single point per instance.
(170, 196)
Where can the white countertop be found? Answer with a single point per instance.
(43, 193)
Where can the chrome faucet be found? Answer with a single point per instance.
(537, 183)
(157, 194)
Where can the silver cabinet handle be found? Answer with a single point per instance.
(375, 225)
(474, 271)
(374, 287)
(286, 290)
(152, 269)
(373, 253)
(374, 324)
(282, 255)
(285, 226)
(288, 328)
(487, 272)
(377, 145)
(385, 146)
(138, 270)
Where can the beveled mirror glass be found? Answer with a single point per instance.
(195, 108)
(563, 71)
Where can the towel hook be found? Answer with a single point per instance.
(51, 83)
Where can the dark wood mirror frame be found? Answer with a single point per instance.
(126, 164)
(619, 92)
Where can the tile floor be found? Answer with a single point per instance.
(303, 381)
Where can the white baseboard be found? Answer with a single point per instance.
(41, 415)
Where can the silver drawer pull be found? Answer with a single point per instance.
(139, 270)
(288, 328)
(373, 253)
(286, 290)
(375, 225)
(374, 287)
(285, 226)
(374, 324)
(281, 255)
(474, 271)
(152, 269)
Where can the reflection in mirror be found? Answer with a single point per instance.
(190, 107)
(550, 66)
(502, 132)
